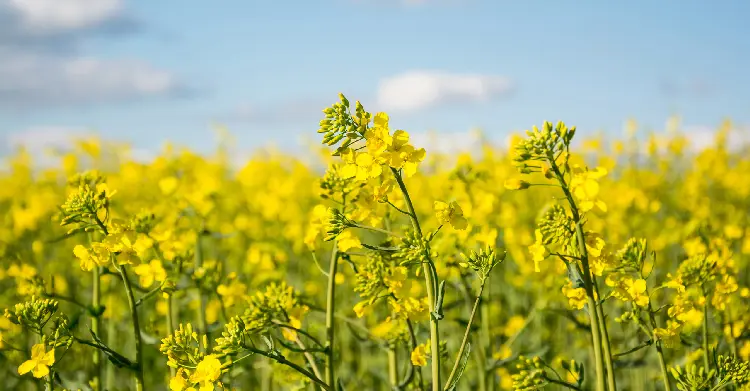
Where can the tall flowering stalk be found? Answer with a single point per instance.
(547, 151)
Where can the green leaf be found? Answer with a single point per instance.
(464, 361)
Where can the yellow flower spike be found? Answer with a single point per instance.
(39, 363)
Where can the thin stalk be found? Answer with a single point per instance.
(465, 340)
(485, 346)
(392, 366)
(588, 285)
(198, 261)
(607, 348)
(330, 312)
(136, 329)
(283, 360)
(706, 360)
(659, 352)
(170, 327)
(96, 323)
(431, 288)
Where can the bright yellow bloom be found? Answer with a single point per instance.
(207, 372)
(347, 241)
(585, 188)
(450, 214)
(402, 155)
(150, 272)
(538, 251)
(89, 258)
(360, 165)
(40, 361)
(419, 355)
(576, 296)
(232, 293)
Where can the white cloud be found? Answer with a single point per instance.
(447, 142)
(34, 78)
(43, 66)
(55, 15)
(421, 89)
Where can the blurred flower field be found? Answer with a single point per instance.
(557, 263)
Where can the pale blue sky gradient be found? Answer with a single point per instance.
(266, 68)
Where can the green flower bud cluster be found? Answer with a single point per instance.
(182, 347)
(697, 270)
(339, 123)
(543, 145)
(732, 369)
(333, 183)
(556, 226)
(232, 339)
(531, 374)
(412, 249)
(336, 223)
(271, 306)
(208, 276)
(692, 378)
(82, 205)
(91, 178)
(143, 222)
(482, 262)
(33, 314)
(575, 368)
(370, 278)
(633, 255)
(61, 332)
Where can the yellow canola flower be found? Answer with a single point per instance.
(150, 272)
(585, 188)
(450, 214)
(419, 355)
(97, 255)
(207, 372)
(39, 363)
(360, 165)
(402, 155)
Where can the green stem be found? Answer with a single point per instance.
(588, 285)
(706, 360)
(170, 327)
(96, 322)
(139, 385)
(310, 360)
(605, 343)
(486, 345)
(392, 366)
(198, 261)
(659, 351)
(431, 288)
(330, 314)
(282, 360)
(465, 340)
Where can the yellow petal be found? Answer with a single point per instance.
(40, 371)
(26, 367)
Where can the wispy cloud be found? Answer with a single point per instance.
(43, 64)
(422, 89)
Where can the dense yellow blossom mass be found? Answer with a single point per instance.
(557, 261)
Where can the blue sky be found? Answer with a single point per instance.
(151, 71)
